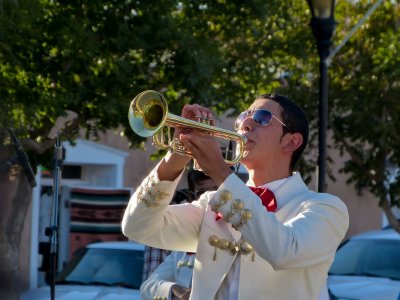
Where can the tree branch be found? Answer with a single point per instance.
(353, 154)
(68, 130)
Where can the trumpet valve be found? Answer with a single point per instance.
(203, 120)
(177, 145)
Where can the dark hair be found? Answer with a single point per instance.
(295, 119)
(195, 176)
(194, 179)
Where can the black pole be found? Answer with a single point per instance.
(52, 231)
(323, 30)
(323, 124)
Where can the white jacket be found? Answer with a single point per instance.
(293, 247)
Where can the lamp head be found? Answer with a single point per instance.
(322, 9)
(322, 24)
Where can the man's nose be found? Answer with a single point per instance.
(247, 124)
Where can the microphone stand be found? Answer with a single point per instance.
(52, 231)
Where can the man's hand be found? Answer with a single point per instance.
(204, 147)
(207, 152)
(173, 163)
(179, 292)
(194, 112)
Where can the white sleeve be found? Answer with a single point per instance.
(149, 219)
(161, 280)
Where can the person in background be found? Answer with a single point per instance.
(153, 257)
(270, 239)
(197, 183)
(172, 279)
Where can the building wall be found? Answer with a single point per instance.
(364, 212)
(24, 255)
(137, 164)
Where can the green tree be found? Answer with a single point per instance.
(365, 86)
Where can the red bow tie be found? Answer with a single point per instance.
(267, 198)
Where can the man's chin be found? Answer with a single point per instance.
(249, 160)
(245, 157)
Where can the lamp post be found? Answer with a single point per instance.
(322, 25)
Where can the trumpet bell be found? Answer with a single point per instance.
(147, 113)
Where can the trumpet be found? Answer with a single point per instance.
(148, 116)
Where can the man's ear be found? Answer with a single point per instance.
(292, 141)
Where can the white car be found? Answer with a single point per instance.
(367, 267)
(104, 271)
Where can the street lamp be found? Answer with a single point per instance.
(322, 25)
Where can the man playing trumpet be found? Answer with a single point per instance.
(271, 238)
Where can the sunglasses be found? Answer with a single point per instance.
(262, 117)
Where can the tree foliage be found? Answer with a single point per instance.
(90, 58)
(365, 85)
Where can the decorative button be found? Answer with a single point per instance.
(237, 204)
(225, 196)
(223, 244)
(213, 240)
(246, 215)
(245, 247)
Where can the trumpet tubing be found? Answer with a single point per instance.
(148, 116)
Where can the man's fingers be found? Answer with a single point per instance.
(195, 111)
(187, 143)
